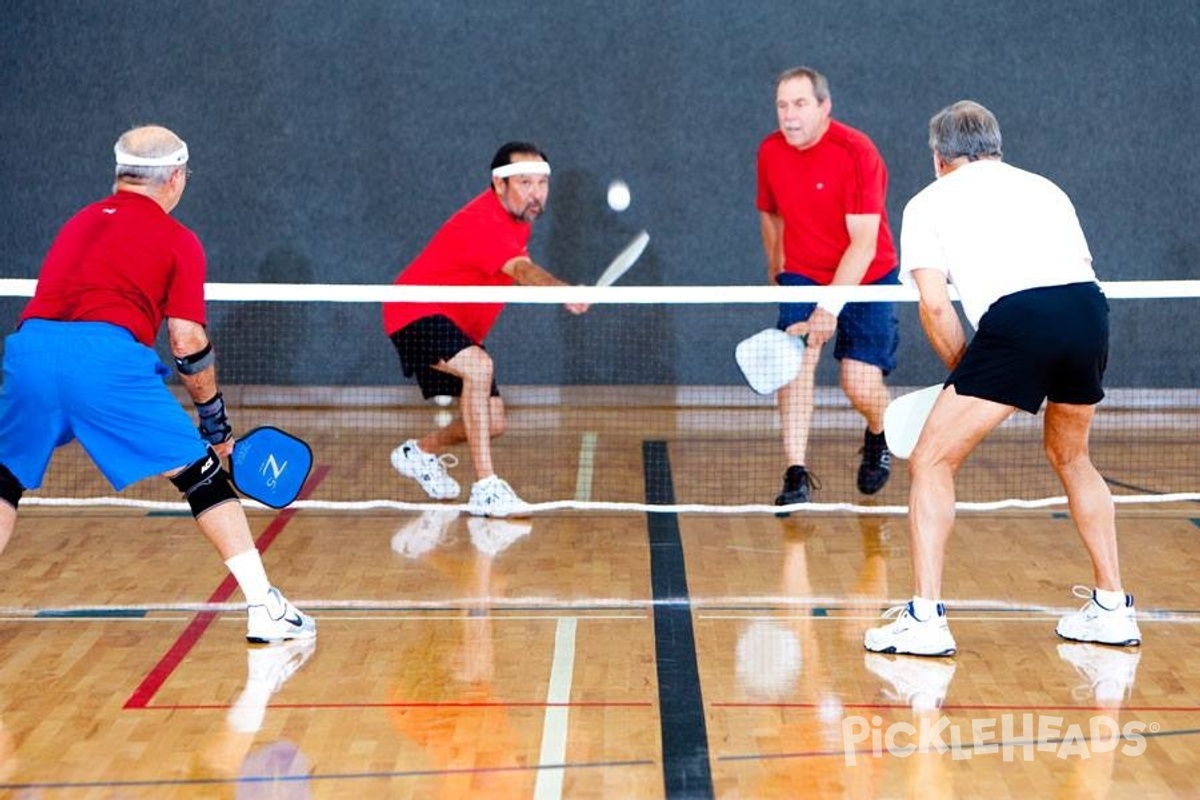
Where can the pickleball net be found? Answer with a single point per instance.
(647, 373)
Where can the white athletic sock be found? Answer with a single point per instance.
(1110, 601)
(247, 569)
(924, 609)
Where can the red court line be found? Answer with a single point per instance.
(171, 660)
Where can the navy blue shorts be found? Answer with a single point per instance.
(1050, 342)
(428, 341)
(93, 382)
(866, 332)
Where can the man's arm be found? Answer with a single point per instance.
(522, 270)
(864, 235)
(191, 348)
(938, 317)
(864, 238)
(526, 273)
(188, 338)
(772, 236)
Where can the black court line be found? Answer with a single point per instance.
(687, 773)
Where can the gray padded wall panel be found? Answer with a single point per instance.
(330, 140)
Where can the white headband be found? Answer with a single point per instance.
(175, 159)
(522, 168)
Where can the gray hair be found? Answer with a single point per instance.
(150, 141)
(965, 130)
(819, 82)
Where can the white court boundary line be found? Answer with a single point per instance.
(577, 505)
(553, 755)
(587, 466)
(735, 606)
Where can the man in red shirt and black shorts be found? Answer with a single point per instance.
(82, 366)
(822, 189)
(441, 344)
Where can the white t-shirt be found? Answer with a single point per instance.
(993, 230)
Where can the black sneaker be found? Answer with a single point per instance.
(797, 486)
(876, 466)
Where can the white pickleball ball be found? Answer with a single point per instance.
(443, 400)
(618, 195)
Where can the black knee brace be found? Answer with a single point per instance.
(10, 488)
(205, 484)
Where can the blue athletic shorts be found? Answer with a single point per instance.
(1050, 342)
(94, 382)
(866, 332)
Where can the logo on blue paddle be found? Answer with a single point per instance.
(270, 465)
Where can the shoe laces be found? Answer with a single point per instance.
(1081, 591)
(876, 451)
(443, 460)
(275, 602)
(501, 489)
(1091, 606)
(808, 477)
(494, 486)
(902, 612)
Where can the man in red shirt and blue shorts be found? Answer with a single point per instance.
(82, 365)
(822, 191)
(441, 344)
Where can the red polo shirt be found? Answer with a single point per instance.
(814, 189)
(468, 250)
(122, 260)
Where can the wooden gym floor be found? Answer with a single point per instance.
(585, 654)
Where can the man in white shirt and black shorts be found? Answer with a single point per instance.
(1011, 244)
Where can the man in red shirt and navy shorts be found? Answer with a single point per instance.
(82, 366)
(822, 190)
(441, 344)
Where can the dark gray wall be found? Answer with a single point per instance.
(330, 140)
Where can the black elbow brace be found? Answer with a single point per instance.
(204, 483)
(10, 488)
(197, 362)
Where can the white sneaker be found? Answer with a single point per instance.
(910, 636)
(1109, 672)
(493, 536)
(427, 469)
(919, 684)
(278, 620)
(420, 535)
(493, 497)
(1095, 623)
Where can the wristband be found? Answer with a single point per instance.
(832, 306)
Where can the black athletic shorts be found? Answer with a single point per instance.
(1050, 342)
(428, 341)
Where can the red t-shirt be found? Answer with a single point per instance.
(122, 260)
(814, 189)
(468, 250)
